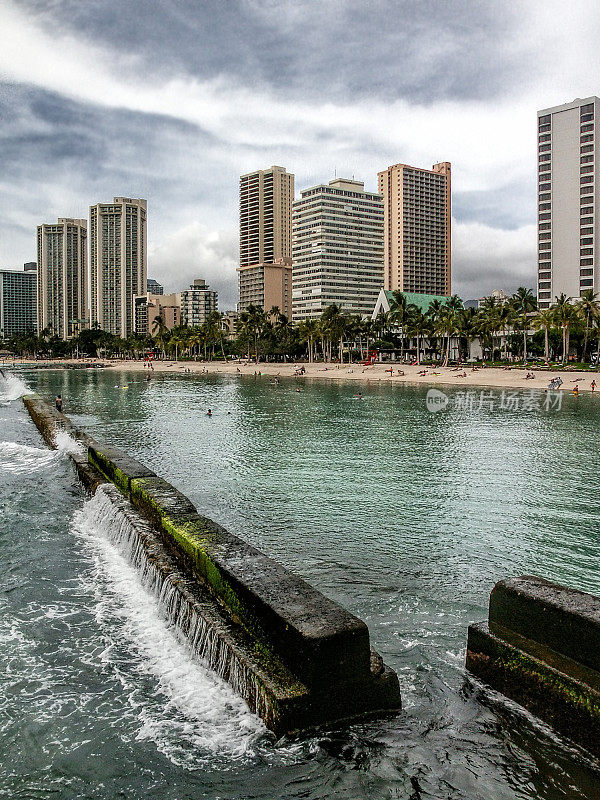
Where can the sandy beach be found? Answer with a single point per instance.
(496, 377)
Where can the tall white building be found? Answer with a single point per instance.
(337, 249)
(197, 303)
(62, 277)
(118, 263)
(568, 196)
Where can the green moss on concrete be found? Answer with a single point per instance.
(110, 471)
(568, 690)
(195, 539)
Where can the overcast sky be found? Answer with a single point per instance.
(172, 100)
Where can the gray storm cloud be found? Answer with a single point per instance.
(173, 102)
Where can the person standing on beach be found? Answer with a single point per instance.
(58, 403)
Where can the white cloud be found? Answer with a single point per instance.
(195, 251)
(487, 258)
(491, 143)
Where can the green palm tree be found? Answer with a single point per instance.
(253, 321)
(400, 313)
(419, 325)
(524, 302)
(544, 320)
(469, 326)
(564, 313)
(160, 332)
(589, 309)
(309, 330)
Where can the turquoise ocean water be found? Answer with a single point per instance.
(405, 517)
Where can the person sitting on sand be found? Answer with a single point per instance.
(400, 372)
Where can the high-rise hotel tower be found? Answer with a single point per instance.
(62, 277)
(265, 271)
(568, 197)
(418, 213)
(338, 249)
(118, 263)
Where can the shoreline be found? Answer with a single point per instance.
(494, 377)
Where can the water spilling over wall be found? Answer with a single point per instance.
(296, 657)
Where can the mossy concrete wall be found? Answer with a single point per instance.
(541, 647)
(49, 421)
(309, 659)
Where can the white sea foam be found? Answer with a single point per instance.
(194, 715)
(11, 387)
(21, 458)
(64, 442)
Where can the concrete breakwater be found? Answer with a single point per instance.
(298, 659)
(541, 647)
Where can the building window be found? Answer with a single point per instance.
(544, 295)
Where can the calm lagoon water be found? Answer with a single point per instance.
(405, 517)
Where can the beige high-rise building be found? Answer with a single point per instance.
(266, 198)
(62, 277)
(267, 286)
(568, 200)
(149, 306)
(338, 249)
(118, 263)
(418, 213)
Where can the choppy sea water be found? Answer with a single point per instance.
(406, 517)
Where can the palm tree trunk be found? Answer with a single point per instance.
(546, 345)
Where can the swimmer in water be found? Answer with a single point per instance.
(209, 413)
